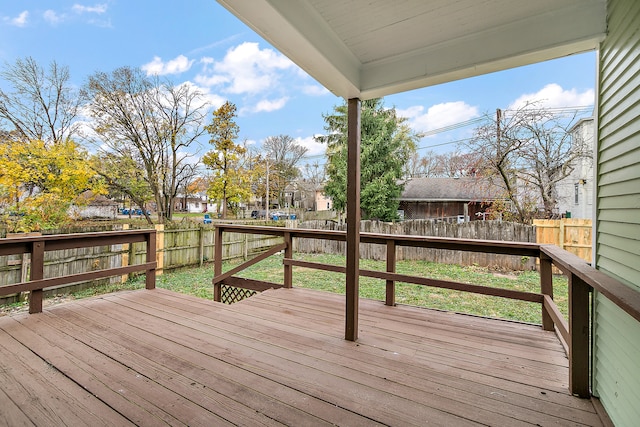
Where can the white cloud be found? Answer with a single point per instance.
(52, 17)
(98, 8)
(246, 69)
(554, 96)
(314, 148)
(18, 21)
(315, 90)
(438, 116)
(177, 65)
(267, 105)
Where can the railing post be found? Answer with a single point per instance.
(288, 254)
(391, 268)
(217, 262)
(579, 336)
(150, 275)
(37, 273)
(546, 288)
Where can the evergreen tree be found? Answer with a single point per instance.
(387, 143)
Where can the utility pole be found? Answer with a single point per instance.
(498, 119)
(267, 207)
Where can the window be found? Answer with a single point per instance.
(576, 191)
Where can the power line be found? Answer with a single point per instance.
(455, 126)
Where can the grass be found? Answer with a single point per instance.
(197, 282)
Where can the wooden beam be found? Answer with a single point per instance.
(219, 277)
(390, 297)
(579, 344)
(37, 273)
(250, 284)
(288, 253)
(353, 219)
(546, 288)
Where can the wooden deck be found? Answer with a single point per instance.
(154, 357)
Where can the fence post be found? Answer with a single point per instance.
(546, 288)
(217, 262)
(125, 255)
(579, 336)
(152, 255)
(288, 254)
(200, 245)
(391, 268)
(37, 273)
(159, 248)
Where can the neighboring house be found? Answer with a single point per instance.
(322, 201)
(311, 197)
(447, 198)
(196, 203)
(95, 206)
(575, 193)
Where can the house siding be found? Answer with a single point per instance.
(616, 336)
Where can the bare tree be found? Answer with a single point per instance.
(43, 105)
(456, 164)
(151, 121)
(528, 151)
(284, 153)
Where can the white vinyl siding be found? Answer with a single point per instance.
(616, 336)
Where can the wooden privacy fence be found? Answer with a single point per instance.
(571, 234)
(482, 230)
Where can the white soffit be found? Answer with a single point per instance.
(372, 48)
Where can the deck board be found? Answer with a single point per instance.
(278, 358)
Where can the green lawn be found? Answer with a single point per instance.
(197, 281)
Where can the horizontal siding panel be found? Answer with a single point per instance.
(617, 338)
(628, 141)
(615, 268)
(631, 201)
(624, 216)
(615, 60)
(620, 188)
(631, 231)
(608, 129)
(613, 172)
(612, 244)
(621, 114)
(612, 96)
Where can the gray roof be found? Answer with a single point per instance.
(450, 189)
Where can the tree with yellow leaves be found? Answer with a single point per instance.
(230, 179)
(39, 182)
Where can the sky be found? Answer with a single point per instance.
(201, 43)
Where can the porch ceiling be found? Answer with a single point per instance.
(372, 48)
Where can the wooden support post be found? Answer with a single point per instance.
(288, 254)
(353, 220)
(150, 275)
(217, 262)
(546, 288)
(579, 337)
(37, 273)
(391, 268)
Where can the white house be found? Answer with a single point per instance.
(575, 193)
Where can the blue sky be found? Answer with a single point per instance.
(199, 42)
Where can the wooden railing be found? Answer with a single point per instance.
(38, 245)
(582, 280)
